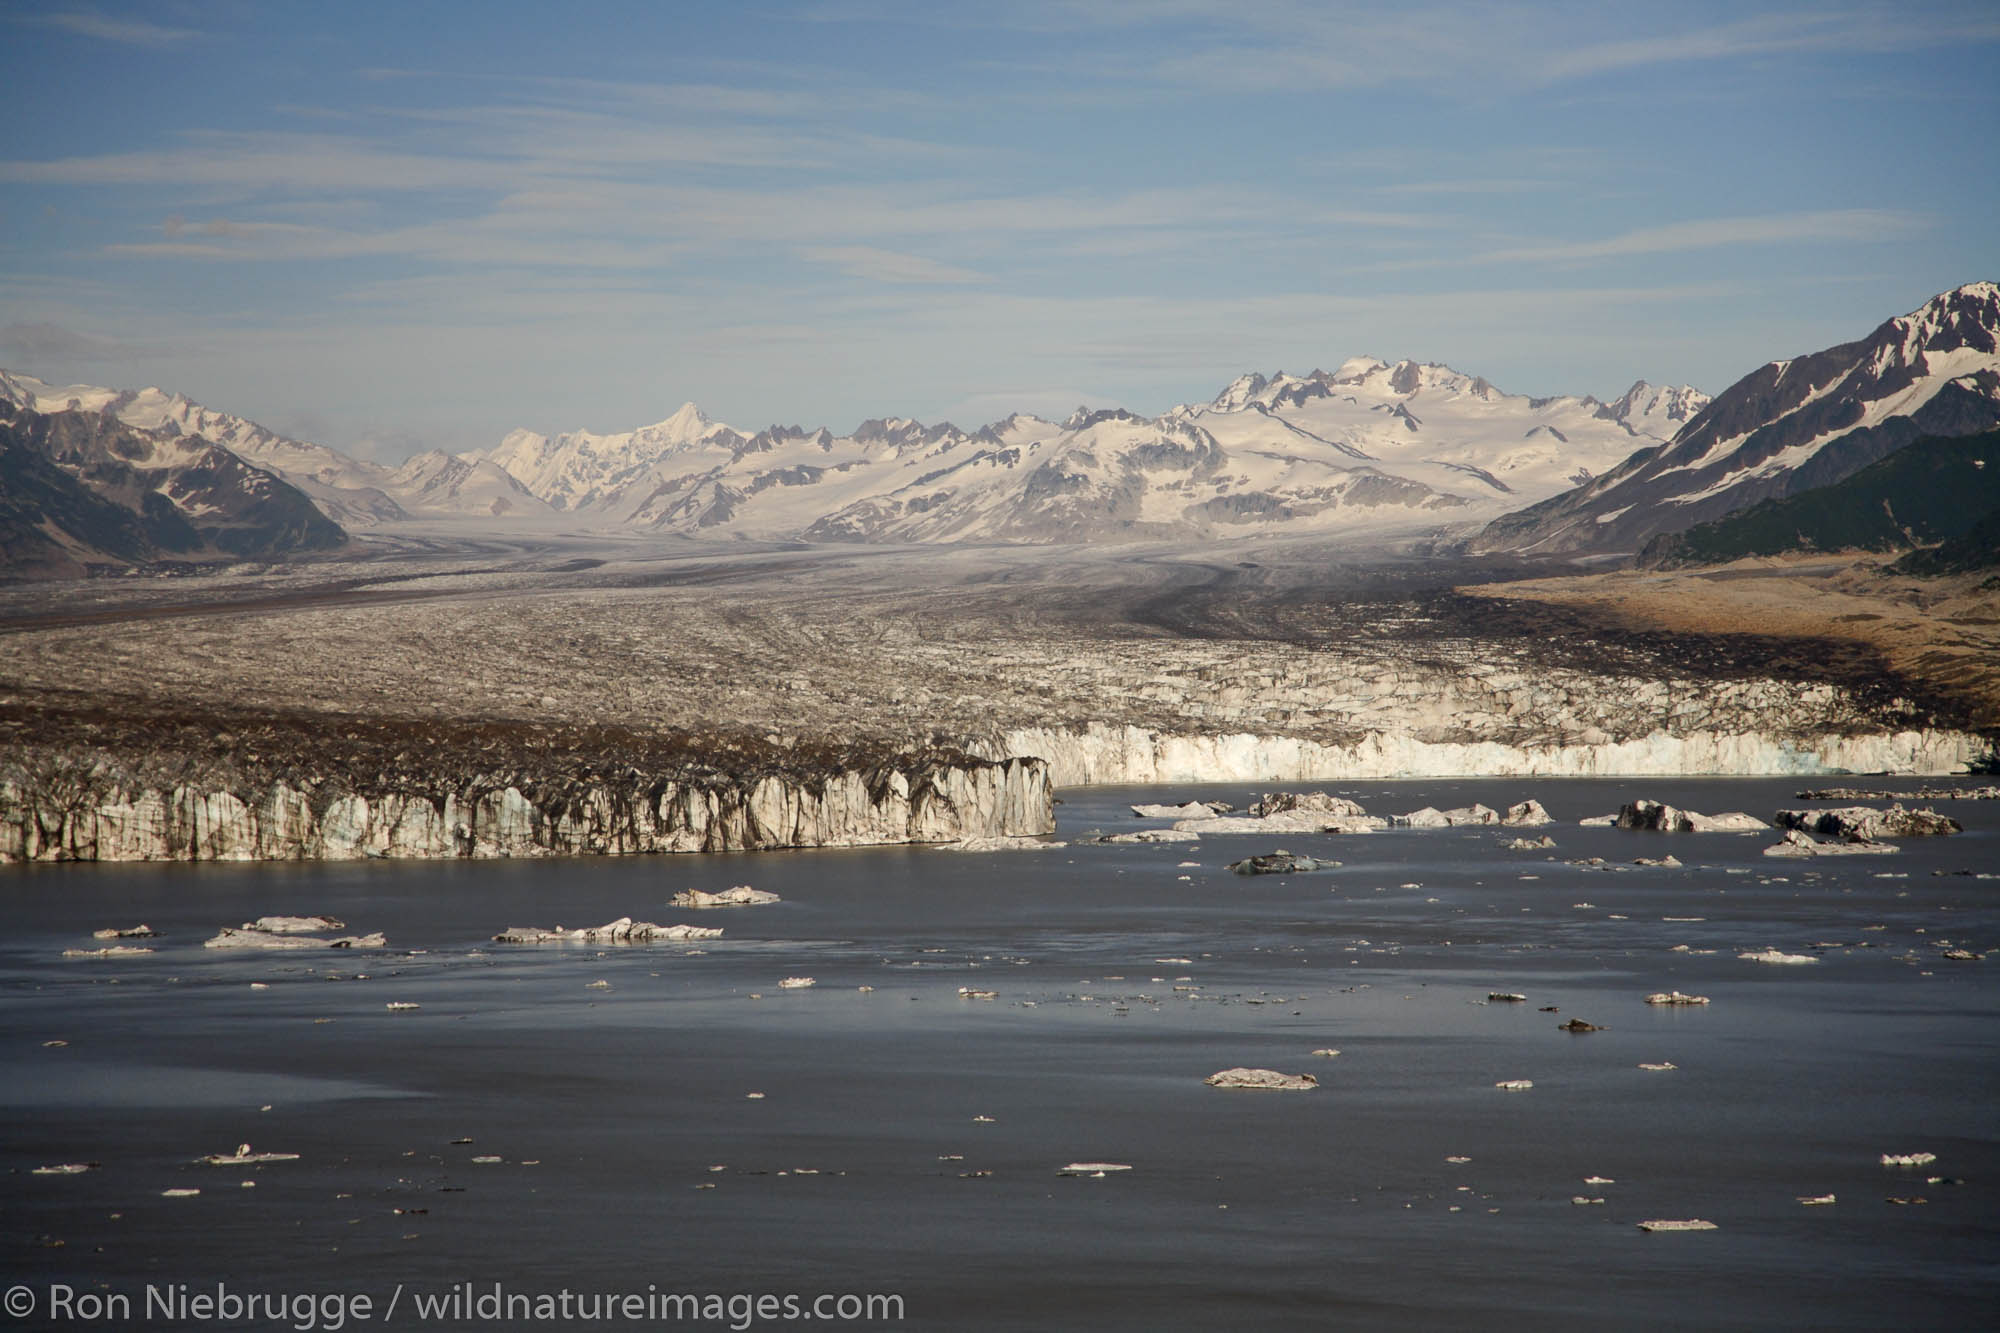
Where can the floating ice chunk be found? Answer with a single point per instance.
(1677, 1224)
(1303, 802)
(1578, 1198)
(1860, 823)
(1598, 821)
(967, 992)
(1154, 835)
(401, 1006)
(1528, 814)
(1432, 817)
(1674, 997)
(1668, 819)
(1093, 1168)
(1797, 844)
(243, 1156)
(1775, 956)
(1295, 821)
(178, 1194)
(294, 925)
(1660, 1066)
(1278, 863)
(1515, 1084)
(65, 1169)
(110, 951)
(622, 931)
(140, 932)
(1815, 1200)
(289, 932)
(1261, 1080)
(1505, 997)
(1529, 844)
(1599, 1180)
(742, 895)
(1011, 843)
(1191, 810)
(1908, 1158)
(796, 983)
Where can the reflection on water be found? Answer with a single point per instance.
(908, 1138)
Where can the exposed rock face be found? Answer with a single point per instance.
(1860, 823)
(93, 816)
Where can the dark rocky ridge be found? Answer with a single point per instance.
(80, 490)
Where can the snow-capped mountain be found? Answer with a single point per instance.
(1785, 428)
(583, 472)
(80, 489)
(346, 489)
(436, 482)
(1373, 445)
(1370, 447)
(349, 491)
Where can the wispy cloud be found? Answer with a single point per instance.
(1853, 224)
(1860, 28)
(92, 23)
(861, 261)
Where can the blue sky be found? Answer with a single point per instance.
(388, 227)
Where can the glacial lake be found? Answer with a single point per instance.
(908, 1139)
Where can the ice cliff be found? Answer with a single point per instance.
(84, 811)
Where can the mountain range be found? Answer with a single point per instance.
(1370, 448)
(1372, 445)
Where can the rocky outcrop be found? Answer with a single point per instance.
(84, 810)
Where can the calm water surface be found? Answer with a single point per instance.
(908, 1140)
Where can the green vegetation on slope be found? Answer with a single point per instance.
(1937, 489)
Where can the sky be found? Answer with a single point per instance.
(393, 227)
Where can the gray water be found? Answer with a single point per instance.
(866, 1166)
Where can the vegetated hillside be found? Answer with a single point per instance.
(1934, 490)
(81, 490)
(1978, 547)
